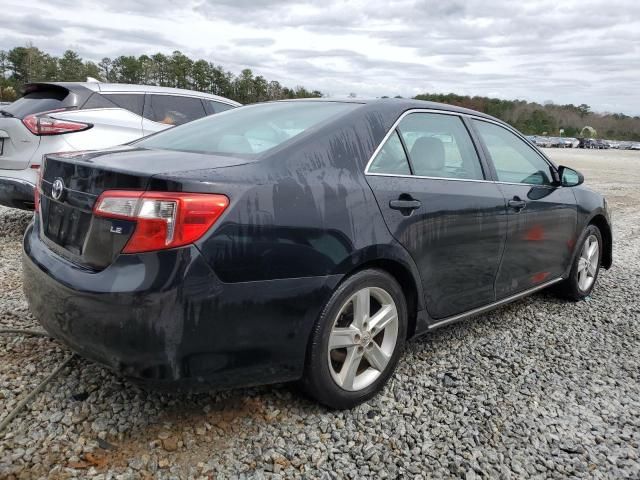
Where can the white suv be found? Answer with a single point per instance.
(65, 117)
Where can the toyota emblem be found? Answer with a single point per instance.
(57, 189)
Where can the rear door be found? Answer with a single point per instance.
(164, 111)
(430, 184)
(542, 216)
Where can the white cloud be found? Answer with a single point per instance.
(570, 52)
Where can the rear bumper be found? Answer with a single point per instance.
(165, 318)
(16, 193)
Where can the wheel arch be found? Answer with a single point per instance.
(603, 225)
(402, 268)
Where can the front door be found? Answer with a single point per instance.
(430, 185)
(542, 215)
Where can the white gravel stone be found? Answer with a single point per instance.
(539, 389)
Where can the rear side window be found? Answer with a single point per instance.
(39, 101)
(129, 101)
(173, 109)
(440, 146)
(217, 107)
(391, 158)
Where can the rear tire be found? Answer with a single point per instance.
(586, 266)
(357, 341)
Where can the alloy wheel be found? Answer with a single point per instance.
(588, 263)
(363, 338)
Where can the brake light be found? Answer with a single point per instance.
(163, 219)
(43, 124)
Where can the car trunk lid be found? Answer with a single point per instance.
(71, 184)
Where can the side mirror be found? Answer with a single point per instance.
(570, 177)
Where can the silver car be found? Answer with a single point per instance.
(66, 117)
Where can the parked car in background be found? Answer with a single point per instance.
(65, 117)
(301, 240)
(635, 146)
(586, 143)
(568, 142)
(539, 141)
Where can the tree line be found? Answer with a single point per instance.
(535, 119)
(22, 65)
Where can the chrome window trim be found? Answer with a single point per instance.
(459, 115)
(428, 178)
(170, 94)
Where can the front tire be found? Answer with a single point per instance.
(357, 341)
(586, 266)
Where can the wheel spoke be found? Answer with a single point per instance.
(582, 264)
(593, 248)
(382, 318)
(343, 337)
(361, 302)
(376, 357)
(582, 279)
(350, 368)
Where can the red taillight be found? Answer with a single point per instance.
(163, 219)
(43, 124)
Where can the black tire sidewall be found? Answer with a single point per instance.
(318, 380)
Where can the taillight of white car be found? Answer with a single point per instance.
(163, 219)
(43, 124)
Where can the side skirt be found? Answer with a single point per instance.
(491, 306)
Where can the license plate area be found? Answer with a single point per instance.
(65, 225)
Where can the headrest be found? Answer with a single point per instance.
(427, 155)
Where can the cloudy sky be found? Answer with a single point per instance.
(570, 51)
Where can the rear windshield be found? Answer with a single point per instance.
(249, 130)
(38, 102)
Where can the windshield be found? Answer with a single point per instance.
(249, 130)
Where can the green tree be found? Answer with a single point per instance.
(105, 67)
(71, 68)
(180, 67)
(92, 70)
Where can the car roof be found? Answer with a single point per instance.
(126, 87)
(400, 104)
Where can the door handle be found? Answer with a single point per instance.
(406, 204)
(517, 204)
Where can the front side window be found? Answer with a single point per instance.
(439, 146)
(513, 159)
(173, 109)
(248, 130)
(391, 158)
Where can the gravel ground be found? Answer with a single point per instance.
(541, 388)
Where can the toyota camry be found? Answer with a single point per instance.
(301, 241)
